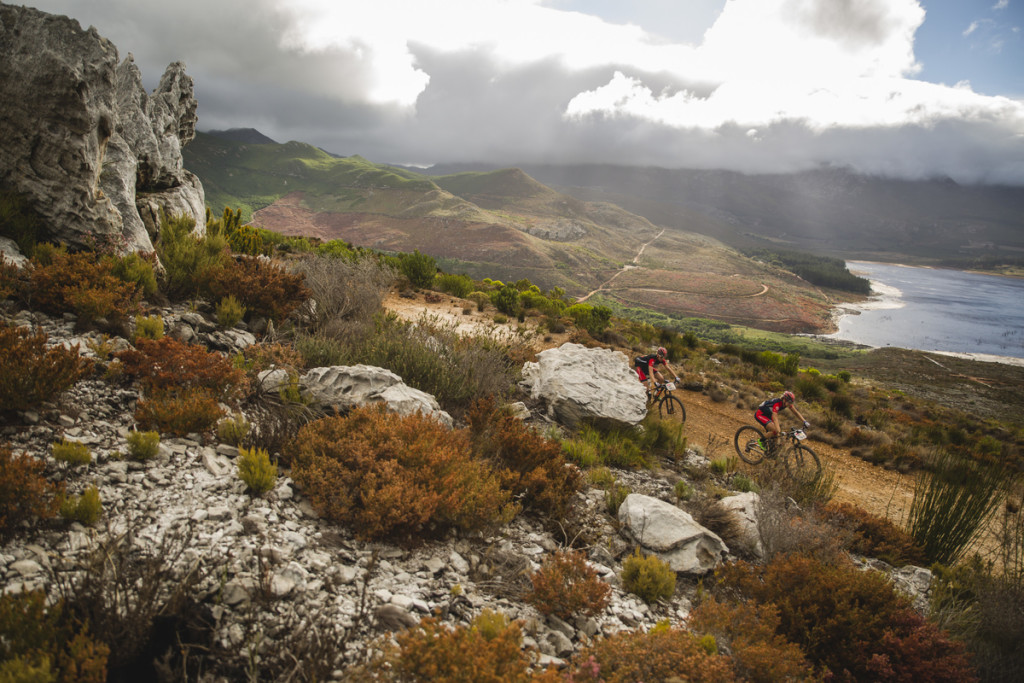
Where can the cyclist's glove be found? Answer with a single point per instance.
(806, 424)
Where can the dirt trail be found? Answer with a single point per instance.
(712, 425)
(879, 491)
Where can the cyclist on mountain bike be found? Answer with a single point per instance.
(646, 370)
(767, 415)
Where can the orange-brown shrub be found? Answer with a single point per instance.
(260, 357)
(533, 467)
(565, 585)
(435, 652)
(852, 622)
(178, 412)
(750, 633)
(85, 283)
(24, 492)
(390, 476)
(33, 373)
(659, 655)
(167, 364)
(265, 288)
(874, 536)
(47, 639)
(13, 280)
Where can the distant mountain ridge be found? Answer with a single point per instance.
(249, 136)
(832, 211)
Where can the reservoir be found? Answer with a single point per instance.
(933, 309)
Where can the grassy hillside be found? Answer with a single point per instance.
(505, 224)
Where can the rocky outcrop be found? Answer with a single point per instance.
(744, 508)
(343, 387)
(577, 383)
(95, 157)
(672, 534)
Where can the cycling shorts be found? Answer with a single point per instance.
(762, 418)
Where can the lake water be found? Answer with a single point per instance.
(933, 309)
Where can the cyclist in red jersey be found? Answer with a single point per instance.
(647, 371)
(767, 415)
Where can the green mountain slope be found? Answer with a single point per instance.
(501, 224)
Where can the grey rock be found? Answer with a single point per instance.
(744, 508)
(10, 253)
(394, 618)
(344, 387)
(82, 149)
(672, 534)
(576, 383)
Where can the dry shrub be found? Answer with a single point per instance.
(873, 536)
(84, 283)
(395, 476)
(136, 597)
(852, 622)
(44, 643)
(434, 652)
(164, 365)
(343, 290)
(25, 494)
(712, 515)
(33, 373)
(178, 413)
(260, 357)
(263, 287)
(750, 632)
(784, 528)
(532, 466)
(566, 585)
(659, 655)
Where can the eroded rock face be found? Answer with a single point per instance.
(577, 383)
(81, 139)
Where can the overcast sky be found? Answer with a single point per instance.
(912, 88)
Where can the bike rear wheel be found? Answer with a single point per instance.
(803, 462)
(671, 408)
(749, 443)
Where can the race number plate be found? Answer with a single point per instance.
(671, 386)
(800, 435)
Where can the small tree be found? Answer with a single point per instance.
(419, 268)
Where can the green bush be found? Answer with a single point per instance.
(593, 319)
(187, 258)
(683, 490)
(137, 269)
(143, 445)
(506, 300)
(233, 429)
(72, 453)
(952, 502)
(256, 470)
(148, 327)
(229, 311)
(648, 577)
(246, 240)
(85, 509)
(456, 285)
(418, 268)
(481, 299)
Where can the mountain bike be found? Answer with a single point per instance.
(669, 407)
(752, 445)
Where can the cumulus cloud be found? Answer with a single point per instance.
(771, 85)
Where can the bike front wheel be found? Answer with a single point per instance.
(671, 408)
(749, 442)
(802, 462)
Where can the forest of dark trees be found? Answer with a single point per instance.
(823, 271)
